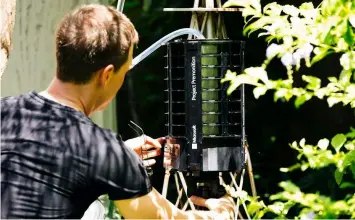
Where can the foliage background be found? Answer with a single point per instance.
(271, 126)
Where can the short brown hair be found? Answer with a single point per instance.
(90, 38)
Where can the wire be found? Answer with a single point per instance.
(139, 131)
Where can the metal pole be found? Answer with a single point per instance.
(120, 5)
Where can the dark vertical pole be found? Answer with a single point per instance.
(242, 96)
(193, 99)
(170, 88)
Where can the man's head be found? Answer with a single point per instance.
(94, 45)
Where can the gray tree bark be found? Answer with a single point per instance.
(7, 22)
(32, 63)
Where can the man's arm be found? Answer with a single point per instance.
(155, 206)
(121, 174)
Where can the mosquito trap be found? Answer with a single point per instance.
(204, 126)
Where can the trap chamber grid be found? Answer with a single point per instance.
(204, 125)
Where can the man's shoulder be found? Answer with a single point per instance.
(8, 100)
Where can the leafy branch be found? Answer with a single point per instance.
(306, 34)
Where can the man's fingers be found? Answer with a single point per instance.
(161, 140)
(151, 153)
(199, 201)
(151, 143)
(149, 163)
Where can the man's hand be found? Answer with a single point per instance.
(223, 206)
(146, 148)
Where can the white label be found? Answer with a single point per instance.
(194, 137)
(193, 78)
(194, 146)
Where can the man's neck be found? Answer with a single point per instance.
(74, 96)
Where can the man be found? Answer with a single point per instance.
(54, 160)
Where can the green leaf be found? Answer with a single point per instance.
(280, 93)
(338, 176)
(302, 99)
(257, 25)
(306, 6)
(349, 36)
(289, 187)
(333, 79)
(338, 141)
(255, 206)
(259, 91)
(328, 39)
(320, 53)
(313, 82)
(352, 168)
(349, 159)
(289, 169)
(345, 185)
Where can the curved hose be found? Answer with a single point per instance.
(164, 40)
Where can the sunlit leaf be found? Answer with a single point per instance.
(345, 61)
(237, 3)
(338, 141)
(258, 73)
(306, 6)
(351, 133)
(246, 12)
(289, 187)
(273, 9)
(352, 20)
(302, 142)
(313, 82)
(259, 91)
(276, 207)
(323, 144)
(333, 79)
(321, 53)
(333, 100)
(258, 24)
(280, 93)
(300, 100)
(254, 207)
(290, 10)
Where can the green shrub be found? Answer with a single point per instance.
(298, 35)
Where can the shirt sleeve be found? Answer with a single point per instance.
(120, 172)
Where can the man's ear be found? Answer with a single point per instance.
(105, 75)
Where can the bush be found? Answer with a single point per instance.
(303, 36)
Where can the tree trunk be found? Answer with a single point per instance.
(32, 63)
(7, 22)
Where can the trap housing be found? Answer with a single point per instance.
(205, 127)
